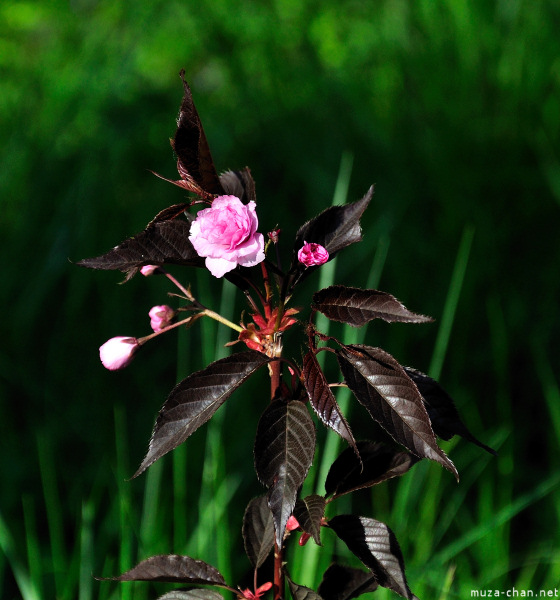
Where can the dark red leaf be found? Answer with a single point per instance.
(309, 511)
(174, 569)
(164, 242)
(258, 531)
(322, 399)
(443, 414)
(194, 161)
(193, 401)
(357, 307)
(378, 463)
(381, 384)
(377, 547)
(192, 594)
(240, 184)
(300, 592)
(284, 449)
(344, 583)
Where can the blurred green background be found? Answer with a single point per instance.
(452, 108)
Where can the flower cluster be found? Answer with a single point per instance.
(226, 235)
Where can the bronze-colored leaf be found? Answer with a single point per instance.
(322, 399)
(194, 161)
(284, 449)
(309, 512)
(377, 547)
(377, 462)
(344, 583)
(173, 568)
(357, 307)
(258, 531)
(382, 386)
(443, 414)
(193, 401)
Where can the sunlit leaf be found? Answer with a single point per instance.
(357, 307)
(309, 512)
(258, 531)
(378, 463)
(174, 569)
(377, 547)
(443, 414)
(322, 399)
(163, 242)
(344, 583)
(284, 448)
(381, 384)
(193, 401)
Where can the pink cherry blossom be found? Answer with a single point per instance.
(226, 235)
(160, 317)
(118, 352)
(312, 254)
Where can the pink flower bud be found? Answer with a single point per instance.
(148, 270)
(160, 317)
(312, 254)
(118, 352)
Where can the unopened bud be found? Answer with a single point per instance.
(148, 270)
(118, 352)
(160, 317)
(313, 254)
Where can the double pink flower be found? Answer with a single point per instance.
(226, 235)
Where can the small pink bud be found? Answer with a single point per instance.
(118, 352)
(160, 317)
(148, 270)
(292, 523)
(312, 254)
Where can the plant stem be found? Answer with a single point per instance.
(278, 573)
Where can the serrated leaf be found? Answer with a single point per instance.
(284, 449)
(164, 242)
(335, 228)
(357, 307)
(240, 184)
(194, 161)
(300, 592)
(344, 583)
(309, 512)
(193, 401)
(443, 414)
(382, 386)
(258, 531)
(192, 594)
(377, 547)
(378, 463)
(173, 568)
(322, 399)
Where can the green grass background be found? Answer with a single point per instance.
(452, 108)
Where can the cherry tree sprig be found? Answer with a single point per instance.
(411, 408)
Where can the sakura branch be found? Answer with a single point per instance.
(411, 408)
